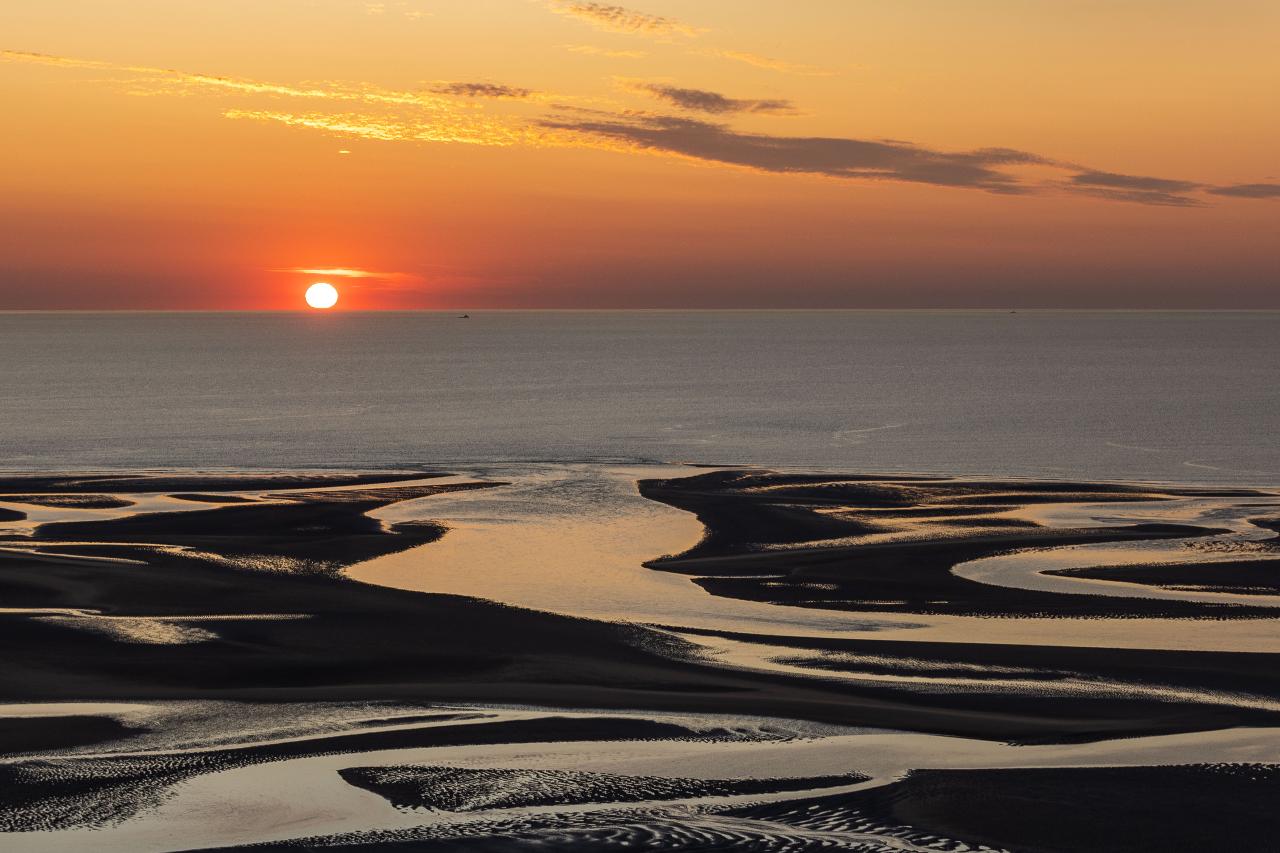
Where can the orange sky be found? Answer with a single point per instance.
(539, 153)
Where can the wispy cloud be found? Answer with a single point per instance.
(327, 91)
(1142, 183)
(1263, 190)
(990, 169)
(482, 90)
(402, 7)
(497, 131)
(346, 272)
(365, 127)
(66, 61)
(1164, 192)
(592, 50)
(620, 19)
(712, 102)
(442, 116)
(370, 112)
(759, 61)
(834, 157)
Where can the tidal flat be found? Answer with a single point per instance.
(534, 656)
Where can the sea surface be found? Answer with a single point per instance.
(1173, 396)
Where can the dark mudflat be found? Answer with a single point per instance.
(1246, 577)
(770, 538)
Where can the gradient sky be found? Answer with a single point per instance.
(719, 153)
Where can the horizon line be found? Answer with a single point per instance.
(655, 310)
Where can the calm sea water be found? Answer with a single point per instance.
(1166, 396)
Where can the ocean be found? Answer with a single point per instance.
(1167, 396)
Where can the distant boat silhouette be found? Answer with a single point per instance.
(465, 317)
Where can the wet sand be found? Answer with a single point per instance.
(793, 627)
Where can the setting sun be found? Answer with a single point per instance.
(322, 295)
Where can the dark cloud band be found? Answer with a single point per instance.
(1248, 191)
(844, 158)
(482, 90)
(713, 102)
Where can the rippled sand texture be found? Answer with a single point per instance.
(343, 775)
(545, 657)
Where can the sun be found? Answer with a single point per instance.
(322, 295)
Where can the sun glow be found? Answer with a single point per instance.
(322, 295)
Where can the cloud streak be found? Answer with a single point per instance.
(480, 131)
(331, 92)
(712, 102)
(830, 156)
(346, 272)
(368, 112)
(619, 19)
(482, 90)
(592, 50)
(1143, 189)
(758, 61)
(441, 116)
(1248, 191)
